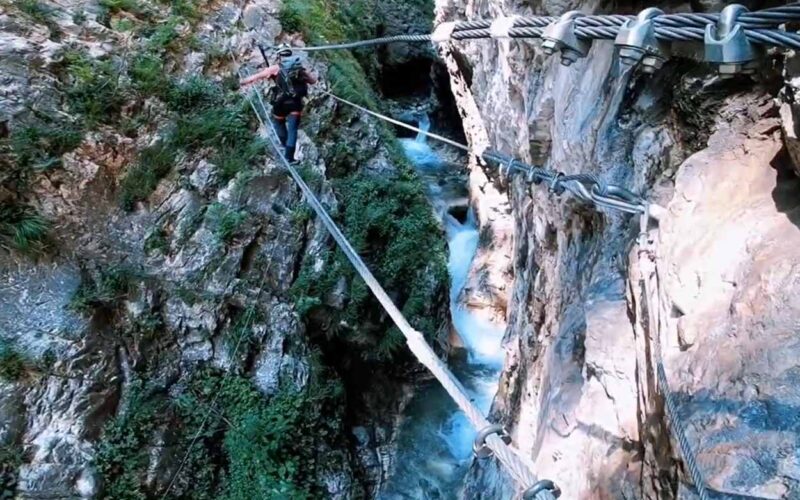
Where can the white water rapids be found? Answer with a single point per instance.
(435, 438)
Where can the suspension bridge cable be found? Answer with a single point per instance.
(761, 27)
(415, 340)
(584, 186)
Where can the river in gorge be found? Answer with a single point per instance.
(435, 437)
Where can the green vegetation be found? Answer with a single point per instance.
(40, 147)
(37, 10)
(94, 89)
(13, 365)
(141, 180)
(122, 454)
(22, 229)
(157, 241)
(11, 458)
(163, 36)
(146, 72)
(135, 7)
(224, 221)
(270, 445)
(389, 222)
(112, 286)
(194, 94)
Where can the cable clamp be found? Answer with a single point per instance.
(443, 32)
(479, 445)
(637, 42)
(727, 46)
(555, 183)
(505, 168)
(540, 486)
(532, 176)
(501, 27)
(560, 36)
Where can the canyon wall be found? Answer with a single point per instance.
(173, 318)
(579, 391)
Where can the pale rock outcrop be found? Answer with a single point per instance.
(578, 389)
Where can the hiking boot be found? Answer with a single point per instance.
(290, 154)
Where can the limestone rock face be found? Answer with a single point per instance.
(190, 284)
(579, 390)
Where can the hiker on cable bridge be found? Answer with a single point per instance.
(286, 96)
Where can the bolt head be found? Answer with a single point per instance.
(652, 62)
(630, 55)
(550, 46)
(728, 70)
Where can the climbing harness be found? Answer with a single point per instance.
(415, 340)
(734, 39)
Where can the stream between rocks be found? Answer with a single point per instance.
(434, 447)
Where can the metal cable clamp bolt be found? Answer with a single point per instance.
(540, 486)
(479, 447)
(532, 176)
(637, 42)
(555, 184)
(727, 46)
(505, 168)
(560, 36)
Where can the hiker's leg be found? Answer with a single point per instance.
(279, 122)
(292, 126)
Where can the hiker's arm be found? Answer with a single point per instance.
(310, 78)
(269, 72)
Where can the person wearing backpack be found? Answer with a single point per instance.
(291, 87)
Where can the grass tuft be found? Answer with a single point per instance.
(224, 221)
(22, 229)
(154, 163)
(107, 290)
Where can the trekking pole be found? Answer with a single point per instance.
(263, 54)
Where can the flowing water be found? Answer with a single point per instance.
(435, 439)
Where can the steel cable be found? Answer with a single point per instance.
(415, 340)
(649, 274)
(761, 27)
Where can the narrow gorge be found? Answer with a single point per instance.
(177, 322)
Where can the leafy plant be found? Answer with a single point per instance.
(194, 94)
(132, 6)
(163, 36)
(40, 147)
(122, 453)
(390, 223)
(11, 457)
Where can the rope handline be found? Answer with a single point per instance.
(760, 27)
(415, 340)
(584, 186)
